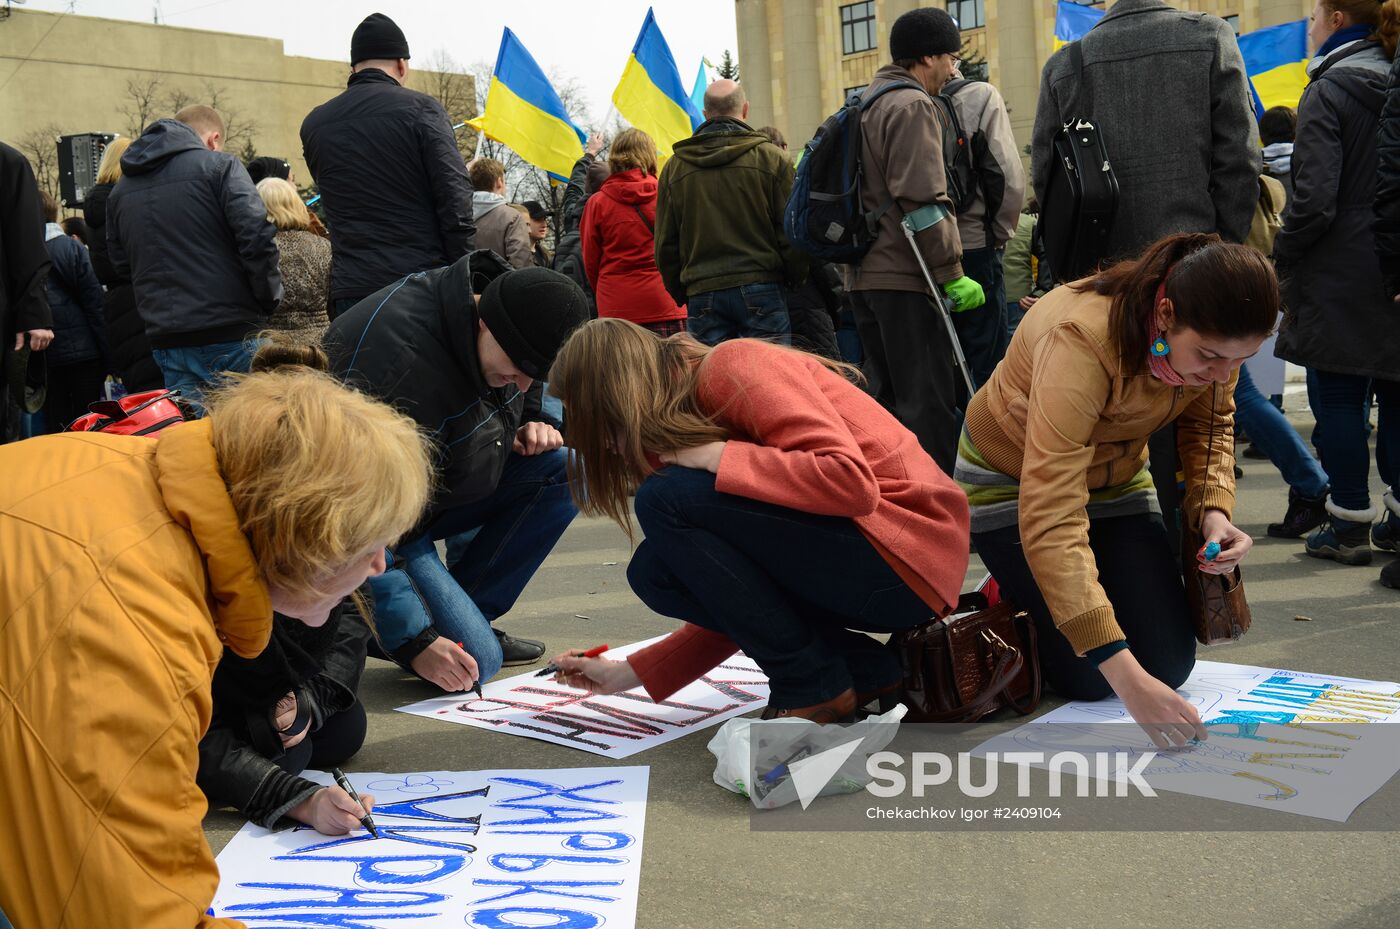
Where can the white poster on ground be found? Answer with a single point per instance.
(1310, 744)
(615, 725)
(560, 847)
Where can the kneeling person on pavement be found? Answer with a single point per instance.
(467, 369)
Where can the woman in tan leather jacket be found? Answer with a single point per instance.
(1053, 458)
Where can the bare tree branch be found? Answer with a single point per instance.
(141, 104)
(40, 146)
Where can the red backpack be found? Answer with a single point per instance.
(145, 413)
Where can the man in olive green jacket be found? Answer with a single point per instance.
(719, 225)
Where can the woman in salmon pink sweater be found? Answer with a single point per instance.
(618, 243)
(783, 508)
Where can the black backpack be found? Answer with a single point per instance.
(972, 171)
(1081, 196)
(824, 216)
(958, 165)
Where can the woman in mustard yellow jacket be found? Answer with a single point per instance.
(1053, 458)
(129, 565)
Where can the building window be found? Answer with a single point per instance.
(967, 13)
(858, 27)
(1233, 22)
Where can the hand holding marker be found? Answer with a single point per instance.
(553, 668)
(476, 685)
(345, 785)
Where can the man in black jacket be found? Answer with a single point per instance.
(469, 374)
(386, 162)
(25, 323)
(186, 224)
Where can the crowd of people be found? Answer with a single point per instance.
(377, 462)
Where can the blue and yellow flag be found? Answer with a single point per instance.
(524, 113)
(651, 96)
(1276, 60)
(1073, 20)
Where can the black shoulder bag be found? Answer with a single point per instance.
(1081, 195)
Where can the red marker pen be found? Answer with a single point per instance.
(553, 668)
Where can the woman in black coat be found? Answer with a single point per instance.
(1338, 320)
(126, 334)
(293, 707)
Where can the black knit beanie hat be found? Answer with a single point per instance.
(925, 31)
(530, 312)
(377, 37)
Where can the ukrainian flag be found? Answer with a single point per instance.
(524, 113)
(651, 96)
(1276, 60)
(1073, 20)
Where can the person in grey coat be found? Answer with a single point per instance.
(1339, 320)
(1168, 91)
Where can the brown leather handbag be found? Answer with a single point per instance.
(1219, 609)
(968, 666)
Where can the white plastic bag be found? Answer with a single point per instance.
(798, 760)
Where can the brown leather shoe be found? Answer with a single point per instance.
(839, 709)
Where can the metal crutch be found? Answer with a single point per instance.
(939, 300)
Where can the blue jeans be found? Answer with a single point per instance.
(1269, 430)
(512, 532)
(1340, 408)
(1014, 315)
(189, 369)
(786, 586)
(750, 311)
(982, 331)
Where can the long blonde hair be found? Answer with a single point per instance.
(318, 473)
(109, 169)
(284, 207)
(626, 393)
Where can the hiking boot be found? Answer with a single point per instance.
(1385, 535)
(1345, 536)
(1390, 575)
(1303, 516)
(839, 709)
(518, 651)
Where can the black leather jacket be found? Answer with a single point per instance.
(413, 344)
(235, 755)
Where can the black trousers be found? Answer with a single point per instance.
(1138, 572)
(71, 388)
(910, 367)
(338, 739)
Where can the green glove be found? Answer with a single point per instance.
(966, 293)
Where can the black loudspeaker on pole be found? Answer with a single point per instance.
(78, 158)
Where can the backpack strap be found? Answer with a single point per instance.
(650, 227)
(872, 219)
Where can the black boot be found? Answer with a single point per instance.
(1303, 516)
(518, 651)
